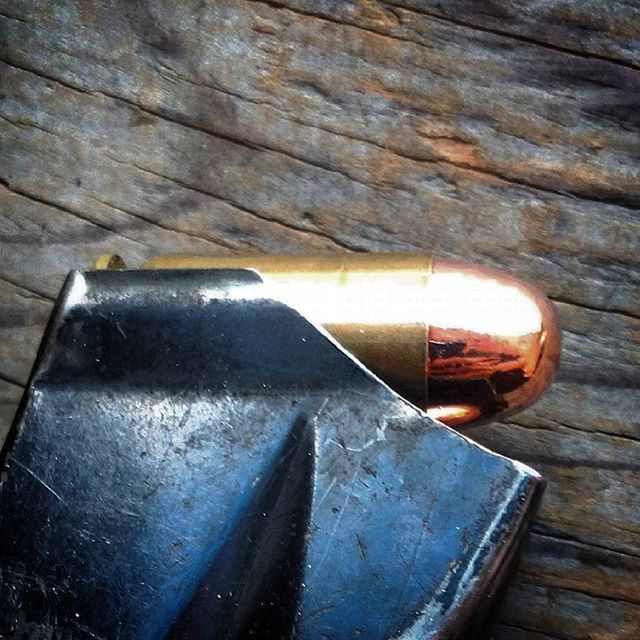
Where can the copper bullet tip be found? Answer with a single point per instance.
(494, 343)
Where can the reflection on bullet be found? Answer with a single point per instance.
(463, 342)
(494, 343)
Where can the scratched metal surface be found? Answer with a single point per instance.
(197, 458)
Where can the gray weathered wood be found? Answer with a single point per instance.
(504, 132)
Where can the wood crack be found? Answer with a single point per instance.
(190, 125)
(31, 125)
(278, 6)
(138, 216)
(572, 428)
(208, 85)
(531, 579)
(564, 536)
(630, 205)
(63, 209)
(25, 292)
(515, 36)
(609, 526)
(8, 16)
(543, 636)
(45, 76)
(242, 208)
(254, 146)
(581, 305)
(11, 380)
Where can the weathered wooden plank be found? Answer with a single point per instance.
(553, 107)
(562, 122)
(568, 245)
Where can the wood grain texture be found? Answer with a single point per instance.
(500, 131)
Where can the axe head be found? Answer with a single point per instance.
(194, 459)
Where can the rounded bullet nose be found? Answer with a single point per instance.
(493, 343)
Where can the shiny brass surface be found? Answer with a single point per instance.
(110, 261)
(463, 342)
(372, 304)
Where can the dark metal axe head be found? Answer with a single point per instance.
(194, 459)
